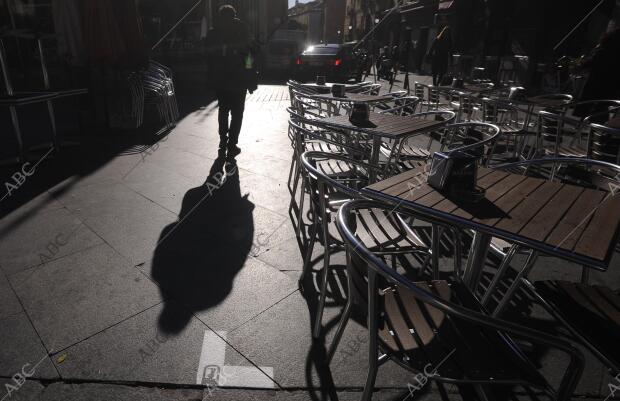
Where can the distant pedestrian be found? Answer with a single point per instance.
(230, 73)
(395, 58)
(440, 54)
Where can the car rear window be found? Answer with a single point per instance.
(322, 50)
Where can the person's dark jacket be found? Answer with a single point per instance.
(440, 53)
(228, 46)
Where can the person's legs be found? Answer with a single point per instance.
(223, 100)
(236, 118)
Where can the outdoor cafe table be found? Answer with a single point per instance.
(350, 98)
(529, 104)
(328, 86)
(471, 89)
(383, 126)
(573, 223)
(353, 98)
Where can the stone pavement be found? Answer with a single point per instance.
(159, 273)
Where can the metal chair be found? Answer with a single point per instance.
(159, 90)
(332, 180)
(465, 137)
(439, 324)
(304, 137)
(430, 98)
(372, 89)
(518, 143)
(590, 313)
(312, 108)
(468, 107)
(401, 106)
(405, 154)
(564, 134)
(604, 141)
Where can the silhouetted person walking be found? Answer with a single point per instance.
(230, 67)
(440, 53)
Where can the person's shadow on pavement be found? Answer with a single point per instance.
(198, 257)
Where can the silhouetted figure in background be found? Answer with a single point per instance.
(604, 78)
(440, 53)
(230, 65)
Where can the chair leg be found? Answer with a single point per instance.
(309, 249)
(458, 253)
(300, 212)
(294, 176)
(436, 234)
(319, 312)
(585, 275)
(373, 364)
(290, 173)
(346, 314)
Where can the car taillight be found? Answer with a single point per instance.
(298, 61)
(337, 62)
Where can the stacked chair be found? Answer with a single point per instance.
(158, 89)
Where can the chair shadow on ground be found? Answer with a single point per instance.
(198, 256)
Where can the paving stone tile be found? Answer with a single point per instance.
(218, 280)
(269, 230)
(191, 167)
(22, 349)
(125, 219)
(44, 237)
(40, 203)
(264, 164)
(140, 349)
(9, 304)
(283, 252)
(244, 301)
(75, 297)
(162, 186)
(281, 337)
(110, 392)
(199, 255)
(277, 145)
(264, 191)
(301, 395)
(110, 172)
(29, 391)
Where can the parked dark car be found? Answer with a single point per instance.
(337, 62)
(279, 56)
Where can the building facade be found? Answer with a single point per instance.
(309, 18)
(263, 17)
(334, 11)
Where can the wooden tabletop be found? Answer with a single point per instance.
(532, 101)
(571, 222)
(354, 98)
(546, 102)
(385, 125)
(329, 85)
(472, 88)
